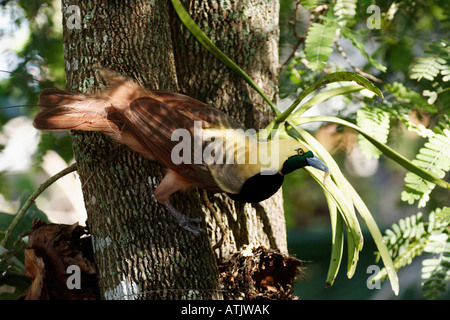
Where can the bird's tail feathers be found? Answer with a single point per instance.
(62, 110)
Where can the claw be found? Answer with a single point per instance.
(184, 221)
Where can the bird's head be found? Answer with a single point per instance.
(279, 158)
(296, 155)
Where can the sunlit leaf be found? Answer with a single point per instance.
(319, 44)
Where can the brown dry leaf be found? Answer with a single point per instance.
(35, 270)
(52, 248)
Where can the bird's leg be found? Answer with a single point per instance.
(216, 217)
(171, 183)
(183, 220)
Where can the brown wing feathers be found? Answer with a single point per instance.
(152, 122)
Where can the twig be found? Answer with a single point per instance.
(301, 38)
(33, 197)
(17, 247)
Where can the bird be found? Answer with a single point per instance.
(200, 146)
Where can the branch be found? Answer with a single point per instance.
(33, 197)
(300, 38)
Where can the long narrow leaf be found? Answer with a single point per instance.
(329, 78)
(337, 233)
(377, 237)
(339, 188)
(339, 194)
(387, 151)
(354, 238)
(209, 45)
(373, 228)
(323, 96)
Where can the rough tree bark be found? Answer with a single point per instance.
(140, 251)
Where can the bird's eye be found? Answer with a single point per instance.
(299, 151)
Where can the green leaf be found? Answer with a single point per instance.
(445, 72)
(432, 96)
(404, 95)
(376, 123)
(336, 188)
(210, 46)
(410, 237)
(319, 44)
(348, 33)
(328, 94)
(405, 240)
(427, 67)
(309, 4)
(341, 194)
(329, 78)
(377, 237)
(434, 158)
(337, 249)
(436, 270)
(345, 9)
(25, 223)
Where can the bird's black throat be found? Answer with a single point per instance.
(258, 188)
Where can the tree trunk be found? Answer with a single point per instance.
(248, 33)
(140, 251)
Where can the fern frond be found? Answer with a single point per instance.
(434, 157)
(441, 49)
(376, 122)
(309, 4)
(411, 237)
(349, 34)
(405, 241)
(407, 97)
(445, 71)
(345, 10)
(319, 44)
(411, 126)
(404, 234)
(427, 67)
(436, 271)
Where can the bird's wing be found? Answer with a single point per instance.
(231, 165)
(152, 121)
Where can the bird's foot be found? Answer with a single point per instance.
(184, 221)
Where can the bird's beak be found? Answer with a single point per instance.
(317, 163)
